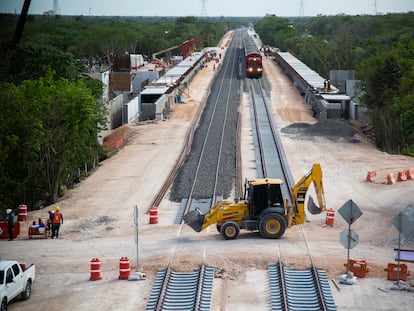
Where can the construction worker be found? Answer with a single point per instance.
(10, 222)
(50, 220)
(57, 220)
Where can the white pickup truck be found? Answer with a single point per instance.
(15, 279)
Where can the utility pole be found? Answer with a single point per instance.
(301, 10)
(203, 12)
(56, 7)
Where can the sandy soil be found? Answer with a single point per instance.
(98, 220)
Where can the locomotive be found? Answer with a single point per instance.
(253, 58)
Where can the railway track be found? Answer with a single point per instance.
(288, 289)
(300, 290)
(182, 291)
(193, 290)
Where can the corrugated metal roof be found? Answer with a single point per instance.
(155, 89)
(340, 97)
(309, 75)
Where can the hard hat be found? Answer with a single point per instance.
(8, 211)
(57, 208)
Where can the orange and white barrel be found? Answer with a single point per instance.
(330, 217)
(124, 269)
(22, 215)
(153, 215)
(95, 269)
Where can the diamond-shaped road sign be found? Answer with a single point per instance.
(349, 238)
(350, 212)
(404, 222)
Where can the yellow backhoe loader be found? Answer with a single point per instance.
(263, 208)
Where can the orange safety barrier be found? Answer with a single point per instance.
(124, 269)
(153, 215)
(22, 216)
(390, 179)
(401, 176)
(4, 229)
(330, 217)
(392, 270)
(410, 173)
(371, 175)
(358, 267)
(95, 269)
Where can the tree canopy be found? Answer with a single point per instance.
(48, 127)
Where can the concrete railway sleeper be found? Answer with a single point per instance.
(300, 290)
(182, 291)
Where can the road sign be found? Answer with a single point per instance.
(350, 212)
(404, 222)
(349, 238)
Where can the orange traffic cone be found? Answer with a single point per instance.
(390, 179)
(371, 175)
(401, 176)
(410, 173)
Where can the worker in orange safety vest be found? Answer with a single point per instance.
(57, 220)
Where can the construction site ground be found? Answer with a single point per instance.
(98, 218)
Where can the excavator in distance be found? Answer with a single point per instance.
(263, 208)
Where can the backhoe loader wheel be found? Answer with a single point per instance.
(230, 230)
(272, 226)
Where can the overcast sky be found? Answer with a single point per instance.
(258, 8)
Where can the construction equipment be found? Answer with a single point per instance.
(187, 48)
(155, 55)
(263, 208)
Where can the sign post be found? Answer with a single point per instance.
(136, 229)
(404, 222)
(137, 275)
(350, 212)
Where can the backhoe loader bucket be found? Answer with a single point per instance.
(194, 219)
(312, 207)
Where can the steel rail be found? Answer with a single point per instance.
(289, 289)
(258, 133)
(188, 140)
(205, 141)
(182, 291)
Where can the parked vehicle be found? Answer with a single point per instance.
(15, 280)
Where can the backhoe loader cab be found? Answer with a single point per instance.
(262, 194)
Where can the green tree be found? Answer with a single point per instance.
(20, 129)
(274, 31)
(49, 128)
(388, 84)
(69, 129)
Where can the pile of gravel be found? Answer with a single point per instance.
(327, 128)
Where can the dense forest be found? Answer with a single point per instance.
(52, 111)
